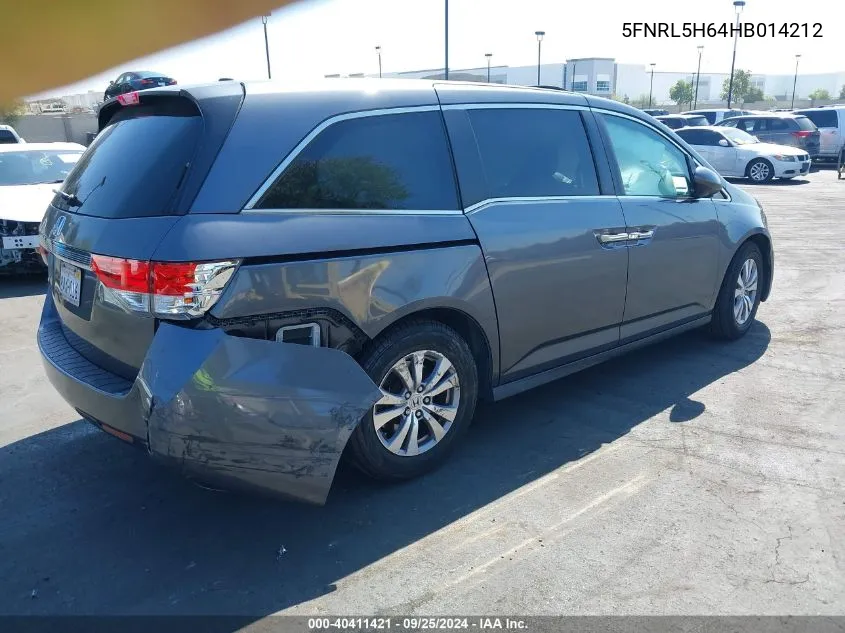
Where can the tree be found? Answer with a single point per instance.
(754, 95)
(682, 92)
(819, 94)
(640, 102)
(741, 87)
(10, 113)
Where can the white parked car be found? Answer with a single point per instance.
(738, 154)
(28, 175)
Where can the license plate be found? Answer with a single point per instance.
(69, 283)
(27, 241)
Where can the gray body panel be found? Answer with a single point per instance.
(547, 296)
(372, 291)
(672, 277)
(559, 293)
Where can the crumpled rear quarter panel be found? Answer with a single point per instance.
(251, 413)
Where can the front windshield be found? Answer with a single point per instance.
(34, 167)
(738, 137)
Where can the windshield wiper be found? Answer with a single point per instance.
(70, 198)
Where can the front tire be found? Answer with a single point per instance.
(739, 296)
(429, 381)
(760, 171)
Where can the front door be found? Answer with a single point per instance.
(554, 245)
(673, 252)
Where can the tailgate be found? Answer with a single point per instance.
(132, 185)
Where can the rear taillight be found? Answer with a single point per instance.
(801, 134)
(147, 82)
(169, 290)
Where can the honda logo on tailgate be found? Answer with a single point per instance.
(58, 227)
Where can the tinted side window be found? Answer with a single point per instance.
(534, 152)
(696, 137)
(649, 165)
(395, 161)
(710, 116)
(778, 125)
(6, 137)
(733, 123)
(758, 125)
(822, 118)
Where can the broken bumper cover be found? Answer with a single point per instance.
(230, 411)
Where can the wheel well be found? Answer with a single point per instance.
(765, 247)
(471, 332)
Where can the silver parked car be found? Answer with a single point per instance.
(247, 278)
(737, 154)
(780, 129)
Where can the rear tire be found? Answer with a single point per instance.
(430, 381)
(760, 171)
(739, 296)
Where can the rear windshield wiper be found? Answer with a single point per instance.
(70, 198)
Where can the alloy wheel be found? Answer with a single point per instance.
(420, 398)
(759, 171)
(745, 293)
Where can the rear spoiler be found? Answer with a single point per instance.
(195, 94)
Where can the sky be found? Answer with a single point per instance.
(318, 37)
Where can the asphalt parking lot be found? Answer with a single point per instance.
(691, 477)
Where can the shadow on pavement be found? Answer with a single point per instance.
(22, 286)
(91, 526)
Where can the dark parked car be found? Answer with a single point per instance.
(677, 121)
(656, 111)
(244, 280)
(137, 80)
(780, 129)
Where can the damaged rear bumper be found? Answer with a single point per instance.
(231, 411)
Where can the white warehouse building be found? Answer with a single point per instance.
(605, 76)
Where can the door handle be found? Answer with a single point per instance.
(641, 235)
(612, 238)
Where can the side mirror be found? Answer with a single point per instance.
(724, 143)
(111, 82)
(706, 182)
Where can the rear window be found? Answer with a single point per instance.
(710, 116)
(822, 118)
(137, 162)
(698, 120)
(7, 137)
(805, 124)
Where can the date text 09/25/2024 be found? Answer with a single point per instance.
(724, 29)
(416, 623)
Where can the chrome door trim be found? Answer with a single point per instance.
(347, 212)
(360, 114)
(510, 105)
(488, 202)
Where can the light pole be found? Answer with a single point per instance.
(264, 19)
(378, 52)
(572, 81)
(738, 6)
(697, 77)
(446, 38)
(795, 80)
(488, 56)
(539, 35)
(651, 85)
